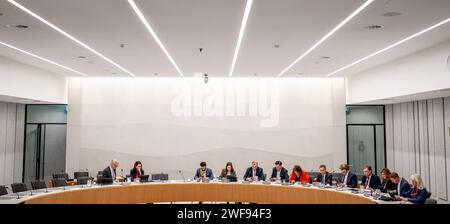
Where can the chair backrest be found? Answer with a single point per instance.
(19, 187)
(35, 185)
(144, 178)
(337, 176)
(104, 180)
(430, 201)
(83, 180)
(3, 190)
(64, 176)
(76, 175)
(59, 182)
(160, 176)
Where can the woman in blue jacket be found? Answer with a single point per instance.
(418, 193)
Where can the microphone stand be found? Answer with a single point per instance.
(181, 173)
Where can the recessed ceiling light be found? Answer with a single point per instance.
(68, 35)
(41, 58)
(390, 46)
(391, 14)
(373, 27)
(152, 32)
(19, 26)
(367, 3)
(248, 6)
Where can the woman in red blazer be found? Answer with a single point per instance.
(299, 175)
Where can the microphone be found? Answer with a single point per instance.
(181, 174)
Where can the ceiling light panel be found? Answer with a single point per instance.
(66, 34)
(294, 25)
(354, 41)
(3, 44)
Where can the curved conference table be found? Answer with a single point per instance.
(188, 191)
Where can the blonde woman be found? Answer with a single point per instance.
(418, 193)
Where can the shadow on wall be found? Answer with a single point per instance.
(215, 158)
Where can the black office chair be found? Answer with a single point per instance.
(429, 200)
(83, 180)
(59, 182)
(160, 176)
(3, 190)
(64, 176)
(76, 175)
(144, 178)
(104, 180)
(19, 187)
(36, 185)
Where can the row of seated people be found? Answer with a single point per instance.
(390, 182)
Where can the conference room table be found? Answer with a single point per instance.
(186, 192)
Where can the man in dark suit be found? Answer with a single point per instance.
(279, 172)
(110, 171)
(324, 176)
(370, 180)
(254, 172)
(349, 179)
(203, 173)
(402, 184)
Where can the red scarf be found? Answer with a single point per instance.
(415, 192)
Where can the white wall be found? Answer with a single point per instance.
(12, 118)
(423, 71)
(24, 81)
(138, 119)
(418, 141)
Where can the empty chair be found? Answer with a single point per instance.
(19, 187)
(104, 180)
(83, 180)
(3, 190)
(61, 176)
(35, 185)
(144, 178)
(160, 176)
(59, 182)
(76, 175)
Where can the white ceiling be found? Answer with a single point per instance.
(184, 26)
(442, 93)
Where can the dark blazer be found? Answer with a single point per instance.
(224, 172)
(405, 187)
(352, 180)
(328, 178)
(209, 174)
(386, 186)
(259, 173)
(107, 172)
(283, 174)
(133, 174)
(374, 181)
